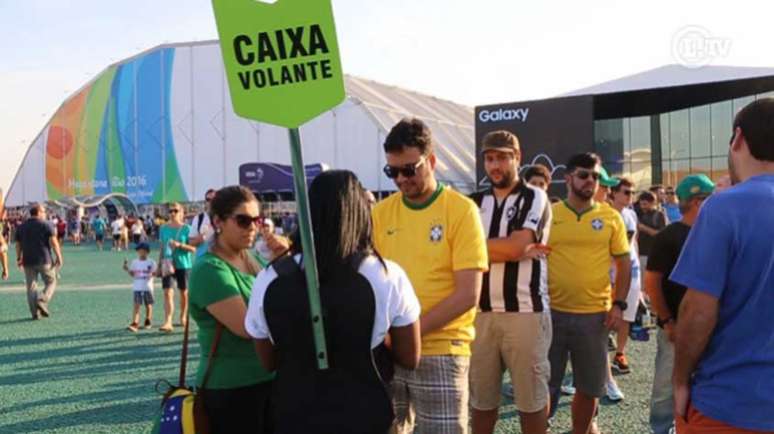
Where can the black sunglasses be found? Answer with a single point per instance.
(627, 192)
(407, 171)
(585, 174)
(173, 211)
(244, 221)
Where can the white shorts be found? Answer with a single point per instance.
(633, 300)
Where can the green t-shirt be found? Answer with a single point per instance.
(182, 259)
(235, 364)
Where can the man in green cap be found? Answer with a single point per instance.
(666, 295)
(606, 182)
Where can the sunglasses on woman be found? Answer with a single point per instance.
(244, 221)
(408, 171)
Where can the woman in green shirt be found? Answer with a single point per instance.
(175, 246)
(237, 389)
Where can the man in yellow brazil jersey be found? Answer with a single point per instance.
(584, 235)
(435, 234)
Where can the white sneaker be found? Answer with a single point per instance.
(613, 392)
(568, 390)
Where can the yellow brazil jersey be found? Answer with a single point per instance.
(579, 263)
(431, 242)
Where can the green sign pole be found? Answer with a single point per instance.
(307, 244)
(283, 67)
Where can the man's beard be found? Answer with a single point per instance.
(507, 180)
(582, 194)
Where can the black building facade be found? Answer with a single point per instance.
(655, 127)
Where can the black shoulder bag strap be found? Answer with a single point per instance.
(213, 350)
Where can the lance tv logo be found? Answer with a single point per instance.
(499, 115)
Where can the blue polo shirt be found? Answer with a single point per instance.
(729, 255)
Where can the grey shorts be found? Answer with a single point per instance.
(581, 337)
(143, 297)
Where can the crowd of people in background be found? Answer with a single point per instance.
(429, 297)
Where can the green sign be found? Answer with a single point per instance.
(282, 59)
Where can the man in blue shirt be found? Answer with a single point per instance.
(724, 351)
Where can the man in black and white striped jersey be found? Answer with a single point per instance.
(513, 326)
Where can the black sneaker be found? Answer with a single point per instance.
(43, 309)
(147, 323)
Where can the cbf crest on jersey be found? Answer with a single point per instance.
(597, 224)
(436, 233)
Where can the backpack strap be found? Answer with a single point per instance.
(184, 353)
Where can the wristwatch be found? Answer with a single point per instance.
(662, 322)
(621, 304)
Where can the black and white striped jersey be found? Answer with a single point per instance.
(515, 286)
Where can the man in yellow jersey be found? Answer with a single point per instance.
(584, 235)
(435, 234)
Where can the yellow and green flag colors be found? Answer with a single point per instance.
(282, 59)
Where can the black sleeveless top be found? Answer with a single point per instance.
(351, 395)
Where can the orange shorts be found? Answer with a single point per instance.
(697, 423)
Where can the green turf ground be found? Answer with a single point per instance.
(80, 371)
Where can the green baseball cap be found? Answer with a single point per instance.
(693, 185)
(605, 179)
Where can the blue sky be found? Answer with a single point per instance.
(472, 52)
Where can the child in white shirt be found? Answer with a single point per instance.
(142, 271)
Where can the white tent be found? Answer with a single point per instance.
(160, 126)
(673, 76)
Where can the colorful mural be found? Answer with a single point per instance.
(115, 135)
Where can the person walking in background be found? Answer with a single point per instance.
(724, 347)
(124, 242)
(621, 199)
(584, 236)
(138, 230)
(603, 198)
(201, 226)
(4, 256)
(513, 325)
(116, 228)
(435, 234)
(75, 229)
(237, 394)
(671, 205)
(35, 241)
(176, 261)
(666, 295)
(61, 229)
(651, 220)
(99, 227)
(366, 302)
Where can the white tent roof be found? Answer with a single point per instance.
(451, 124)
(673, 75)
(185, 117)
